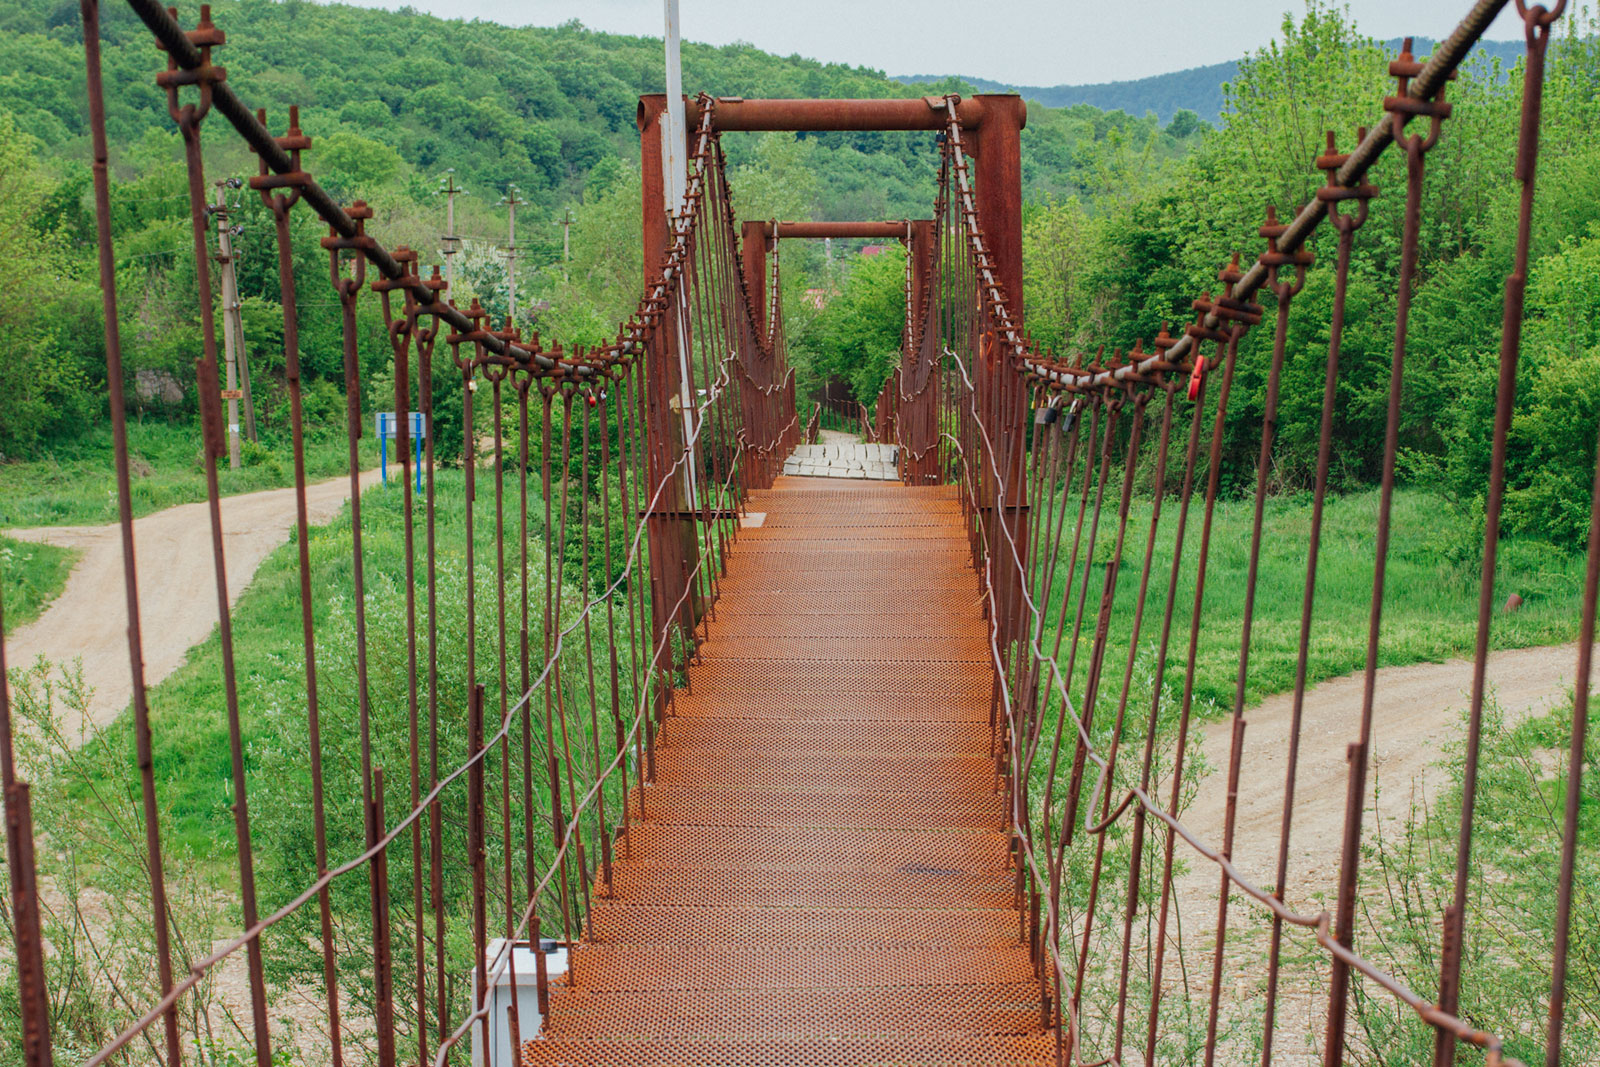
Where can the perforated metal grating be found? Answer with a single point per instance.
(961, 737)
(712, 886)
(818, 873)
(792, 1013)
(699, 805)
(965, 1050)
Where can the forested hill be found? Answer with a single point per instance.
(1197, 89)
(541, 107)
(535, 106)
(1126, 219)
(392, 100)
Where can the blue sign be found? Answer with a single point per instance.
(388, 426)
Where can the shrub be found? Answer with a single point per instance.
(1554, 439)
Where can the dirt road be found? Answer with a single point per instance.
(1418, 710)
(177, 597)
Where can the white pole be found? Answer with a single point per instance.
(230, 307)
(675, 167)
(675, 136)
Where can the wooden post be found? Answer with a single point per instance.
(232, 333)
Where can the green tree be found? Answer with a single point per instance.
(44, 379)
(599, 288)
(1055, 246)
(780, 182)
(1555, 441)
(856, 336)
(352, 166)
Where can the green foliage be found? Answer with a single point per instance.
(1322, 75)
(779, 182)
(1555, 436)
(856, 336)
(599, 287)
(1083, 151)
(31, 575)
(1512, 892)
(392, 99)
(1054, 233)
(1112, 265)
(352, 163)
(537, 106)
(43, 377)
(74, 483)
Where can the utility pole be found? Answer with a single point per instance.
(674, 133)
(566, 242)
(449, 188)
(512, 201)
(238, 365)
(675, 170)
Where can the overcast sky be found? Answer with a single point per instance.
(1020, 42)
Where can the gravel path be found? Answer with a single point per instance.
(177, 597)
(1418, 710)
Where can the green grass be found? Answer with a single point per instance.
(31, 576)
(189, 724)
(75, 483)
(1430, 596)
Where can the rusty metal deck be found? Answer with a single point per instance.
(819, 875)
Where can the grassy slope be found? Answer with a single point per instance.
(1430, 602)
(187, 709)
(30, 577)
(75, 485)
(189, 723)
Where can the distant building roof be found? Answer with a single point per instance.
(872, 250)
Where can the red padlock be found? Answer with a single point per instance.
(1196, 376)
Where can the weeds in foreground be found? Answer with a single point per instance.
(95, 884)
(1511, 898)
